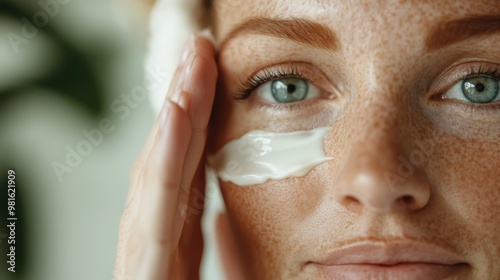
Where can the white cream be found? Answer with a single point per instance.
(259, 156)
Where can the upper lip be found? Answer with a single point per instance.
(389, 253)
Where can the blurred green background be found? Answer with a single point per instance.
(65, 66)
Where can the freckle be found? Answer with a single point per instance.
(376, 124)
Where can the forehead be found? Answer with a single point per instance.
(379, 15)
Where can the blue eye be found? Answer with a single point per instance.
(287, 90)
(480, 89)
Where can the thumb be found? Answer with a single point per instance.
(228, 249)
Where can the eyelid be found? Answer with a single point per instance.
(460, 71)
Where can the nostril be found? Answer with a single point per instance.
(408, 199)
(351, 200)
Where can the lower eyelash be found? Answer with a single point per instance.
(281, 107)
(475, 109)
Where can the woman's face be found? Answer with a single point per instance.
(407, 91)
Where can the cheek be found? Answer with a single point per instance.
(468, 171)
(465, 173)
(265, 215)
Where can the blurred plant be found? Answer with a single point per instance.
(74, 76)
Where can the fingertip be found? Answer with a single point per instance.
(205, 47)
(201, 87)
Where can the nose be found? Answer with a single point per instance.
(377, 177)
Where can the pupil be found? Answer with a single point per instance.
(479, 87)
(290, 88)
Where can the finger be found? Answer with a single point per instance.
(200, 88)
(141, 160)
(129, 218)
(158, 211)
(175, 84)
(202, 73)
(138, 221)
(190, 248)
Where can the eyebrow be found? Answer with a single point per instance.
(454, 31)
(302, 31)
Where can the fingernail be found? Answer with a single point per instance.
(186, 82)
(175, 97)
(189, 47)
(189, 65)
(184, 101)
(184, 76)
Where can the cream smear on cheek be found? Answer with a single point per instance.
(259, 156)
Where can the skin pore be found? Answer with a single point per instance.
(411, 162)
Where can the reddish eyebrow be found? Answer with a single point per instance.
(301, 31)
(459, 30)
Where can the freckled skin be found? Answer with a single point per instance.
(452, 186)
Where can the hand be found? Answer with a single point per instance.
(159, 237)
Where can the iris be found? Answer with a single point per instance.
(289, 90)
(480, 89)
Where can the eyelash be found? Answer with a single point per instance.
(480, 71)
(267, 75)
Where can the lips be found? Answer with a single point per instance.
(389, 260)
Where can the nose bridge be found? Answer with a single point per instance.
(367, 180)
